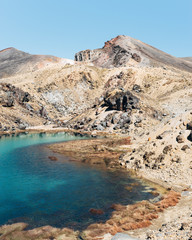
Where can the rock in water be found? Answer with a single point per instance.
(52, 158)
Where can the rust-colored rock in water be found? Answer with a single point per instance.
(52, 158)
(96, 211)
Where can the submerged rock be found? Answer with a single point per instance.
(53, 158)
(96, 211)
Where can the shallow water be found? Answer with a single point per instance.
(60, 193)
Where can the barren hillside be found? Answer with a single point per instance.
(13, 61)
(61, 89)
(127, 51)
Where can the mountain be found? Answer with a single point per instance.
(123, 71)
(128, 90)
(187, 59)
(13, 61)
(127, 51)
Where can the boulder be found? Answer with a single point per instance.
(53, 158)
(190, 136)
(189, 125)
(8, 100)
(137, 88)
(185, 147)
(43, 112)
(96, 211)
(180, 138)
(121, 101)
(167, 149)
(10, 94)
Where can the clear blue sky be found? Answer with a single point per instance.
(64, 27)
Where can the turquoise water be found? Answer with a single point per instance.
(60, 193)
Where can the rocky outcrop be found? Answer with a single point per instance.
(121, 101)
(124, 50)
(14, 61)
(131, 217)
(111, 55)
(9, 94)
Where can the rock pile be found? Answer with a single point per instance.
(10, 94)
(121, 101)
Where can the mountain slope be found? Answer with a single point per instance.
(13, 61)
(67, 91)
(187, 59)
(126, 51)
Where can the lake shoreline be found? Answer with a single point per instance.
(163, 181)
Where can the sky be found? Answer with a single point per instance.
(64, 27)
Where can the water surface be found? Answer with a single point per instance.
(60, 193)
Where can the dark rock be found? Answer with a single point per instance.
(180, 138)
(190, 136)
(184, 226)
(136, 88)
(167, 149)
(53, 158)
(160, 158)
(185, 147)
(147, 85)
(189, 126)
(122, 101)
(43, 112)
(147, 155)
(136, 57)
(164, 134)
(5, 128)
(8, 101)
(96, 211)
(155, 166)
(13, 94)
(126, 126)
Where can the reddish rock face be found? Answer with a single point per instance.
(126, 51)
(111, 42)
(96, 211)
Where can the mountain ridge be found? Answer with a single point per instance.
(14, 61)
(126, 51)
